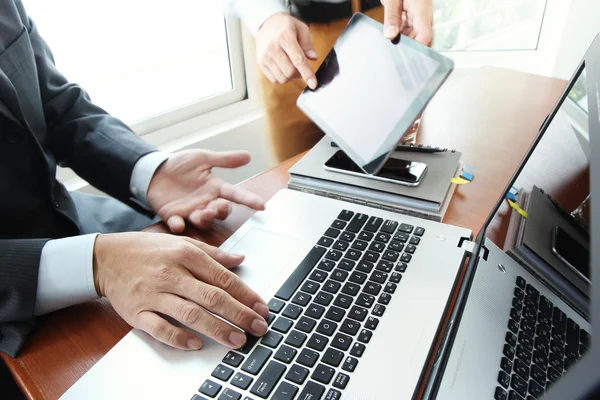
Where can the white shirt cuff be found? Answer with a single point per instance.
(255, 12)
(66, 273)
(142, 174)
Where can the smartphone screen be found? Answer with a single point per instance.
(570, 251)
(394, 169)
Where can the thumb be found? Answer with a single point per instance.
(305, 41)
(227, 159)
(392, 19)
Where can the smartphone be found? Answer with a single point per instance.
(404, 172)
(571, 252)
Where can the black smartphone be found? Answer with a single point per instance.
(571, 252)
(394, 170)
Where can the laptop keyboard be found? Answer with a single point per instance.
(323, 317)
(542, 343)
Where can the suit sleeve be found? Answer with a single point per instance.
(19, 261)
(98, 147)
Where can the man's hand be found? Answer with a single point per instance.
(416, 24)
(150, 276)
(283, 45)
(183, 188)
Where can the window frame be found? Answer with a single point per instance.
(237, 94)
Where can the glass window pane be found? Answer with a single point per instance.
(138, 58)
(487, 25)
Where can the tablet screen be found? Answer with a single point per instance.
(371, 90)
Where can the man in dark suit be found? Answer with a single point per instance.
(59, 248)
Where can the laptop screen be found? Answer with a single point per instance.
(543, 223)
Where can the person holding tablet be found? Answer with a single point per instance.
(291, 41)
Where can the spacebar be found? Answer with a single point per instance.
(299, 275)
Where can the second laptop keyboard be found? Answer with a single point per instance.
(323, 317)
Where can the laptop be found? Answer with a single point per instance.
(359, 297)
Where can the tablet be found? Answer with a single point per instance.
(371, 90)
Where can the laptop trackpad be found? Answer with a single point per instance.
(267, 254)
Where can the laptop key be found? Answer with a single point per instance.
(332, 357)
(358, 349)
(308, 357)
(230, 394)
(406, 228)
(385, 266)
(301, 299)
(358, 277)
(285, 354)
(295, 338)
(275, 305)
(285, 391)
(401, 237)
(513, 326)
(323, 298)
(300, 273)
(518, 384)
(350, 364)
(333, 394)
(335, 314)
(360, 245)
(401, 267)
(419, 231)
(314, 310)
(268, 379)
(282, 325)
(372, 288)
(378, 310)
(410, 249)
(351, 288)
(353, 254)
(373, 224)
(341, 380)
(385, 298)
(339, 275)
(350, 327)
(310, 287)
(222, 372)
(323, 374)
(332, 232)
(395, 277)
(538, 374)
(348, 236)
(522, 369)
(523, 354)
(553, 374)
(365, 266)
(357, 223)
(378, 276)
(365, 336)
(232, 358)
(210, 388)
(371, 256)
(317, 342)
(346, 265)
(271, 339)
(389, 226)
(511, 339)
(334, 255)
(405, 257)
(341, 245)
(390, 287)
(332, 286)
(326, 265)
(306, 324)
(526, 341)
(383, 237)
(312, 391)
(414, 240)
(377, 246)
(500, 394)
(535, 389)
(270, 318)
(366, 236)
(346, 215)
(504, 379)
(241, 381)
(297, 374)
(325, 241)
(512, 395)
(396, 245)
(292, 311)
(358, 313)
(327, 327)
(256, 360)
(506, 365)
(508, 351)
(343, 300)
(337, 224)
(365, 300)
(250, 342)
(341, 341)
(371, 323)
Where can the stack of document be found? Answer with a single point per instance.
(428, 200)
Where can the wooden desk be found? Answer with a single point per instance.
(490, 114)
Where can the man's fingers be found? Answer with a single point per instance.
(226, 159)
(277, 73)
(422, 28)
(241, 196)
(221, 207)
(265, 69)
(165, 332)
(392, 18)
(300, 63)
(176, 224)
(202, 219)
(285, 65)
(197, 318)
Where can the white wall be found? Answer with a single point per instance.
(583, 24)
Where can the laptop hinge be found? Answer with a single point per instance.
(467, 245)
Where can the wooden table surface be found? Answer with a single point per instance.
(490, 114)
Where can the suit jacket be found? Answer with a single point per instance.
(45, 121)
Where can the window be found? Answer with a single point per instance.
(149, 63)
(518, 34)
